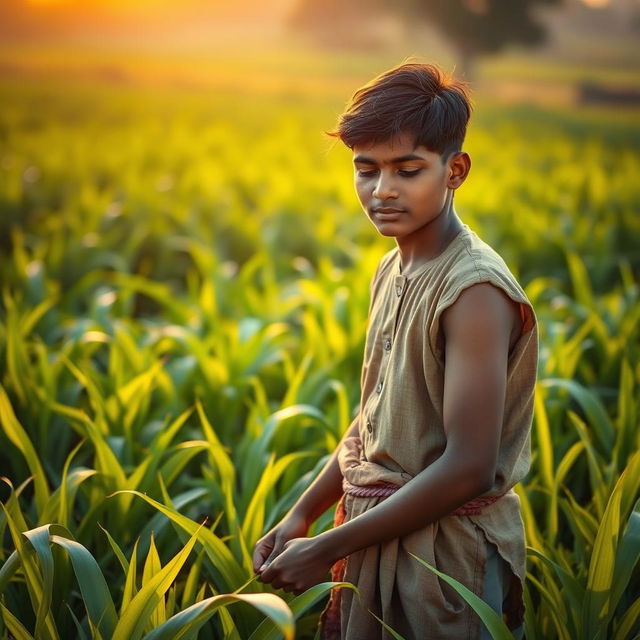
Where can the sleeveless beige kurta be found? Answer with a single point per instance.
(401, 433)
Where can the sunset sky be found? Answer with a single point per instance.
(63, 17)
(127, 8)
(170, 21)
(73, 10)
(244, 5)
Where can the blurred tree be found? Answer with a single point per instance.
(474, 27)
(477, 27)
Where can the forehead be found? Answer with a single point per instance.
(391, 150)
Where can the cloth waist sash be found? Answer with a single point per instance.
(472, 508)
(366, 479)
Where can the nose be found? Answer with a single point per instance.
(384, 188)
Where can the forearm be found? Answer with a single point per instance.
(326, 489)
(436, 491)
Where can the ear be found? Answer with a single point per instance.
(458, 170)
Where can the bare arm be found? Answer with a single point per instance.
(326, 489)
(477, 329)
(318, 497)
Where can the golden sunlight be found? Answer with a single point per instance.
(127, 5)
(125, 9)
(98, 5)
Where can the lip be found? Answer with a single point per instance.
(386, 210)
(387, 213)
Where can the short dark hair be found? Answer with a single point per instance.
(412, 97)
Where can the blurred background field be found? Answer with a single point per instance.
(184, 274)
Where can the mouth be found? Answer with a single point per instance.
(387, 213)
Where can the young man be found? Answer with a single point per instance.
(443, 429)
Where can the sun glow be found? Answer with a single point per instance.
(159, 21)
(198, 11)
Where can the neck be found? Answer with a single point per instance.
(429, 241)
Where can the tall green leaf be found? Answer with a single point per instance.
(139, 611)
(494, 623)
(192, 618)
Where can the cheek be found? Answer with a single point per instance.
(362, 191)
(433, 190)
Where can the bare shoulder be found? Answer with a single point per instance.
(480, 310)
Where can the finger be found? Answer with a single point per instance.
(261, 553)
(282, 584)
(278, 584)
(273, 575)
(262, 549)
(272, 556)
(265, 575)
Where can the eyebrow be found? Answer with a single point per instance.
(405, 158)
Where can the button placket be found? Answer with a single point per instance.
(399, 286)
(400, 283)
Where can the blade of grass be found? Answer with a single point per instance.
(14, 625)
(196, 615)
(124, 563)
(32, 576)
(151, 567)
(592, 407)
(494, 623)
(596, 610)
(299, 605)
(93, 587)
(18, 436)
(393, 632)
(628, 622)
(39, 539)
(627, 557)
(137, 614)
(130, 584)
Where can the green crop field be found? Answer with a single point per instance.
(184, 279)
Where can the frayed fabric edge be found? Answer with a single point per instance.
(330, 622)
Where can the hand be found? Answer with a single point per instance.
(272, 543)
(302, 564)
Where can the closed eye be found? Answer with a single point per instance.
(405, 173)
(366, 173)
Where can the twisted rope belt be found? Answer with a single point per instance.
(385, 489)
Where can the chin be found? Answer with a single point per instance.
(388, 230)
(388, 233)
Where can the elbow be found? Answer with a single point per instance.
(476, 482)
(484, 476)
(480, 479)
(484, 483)
(477, 474)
